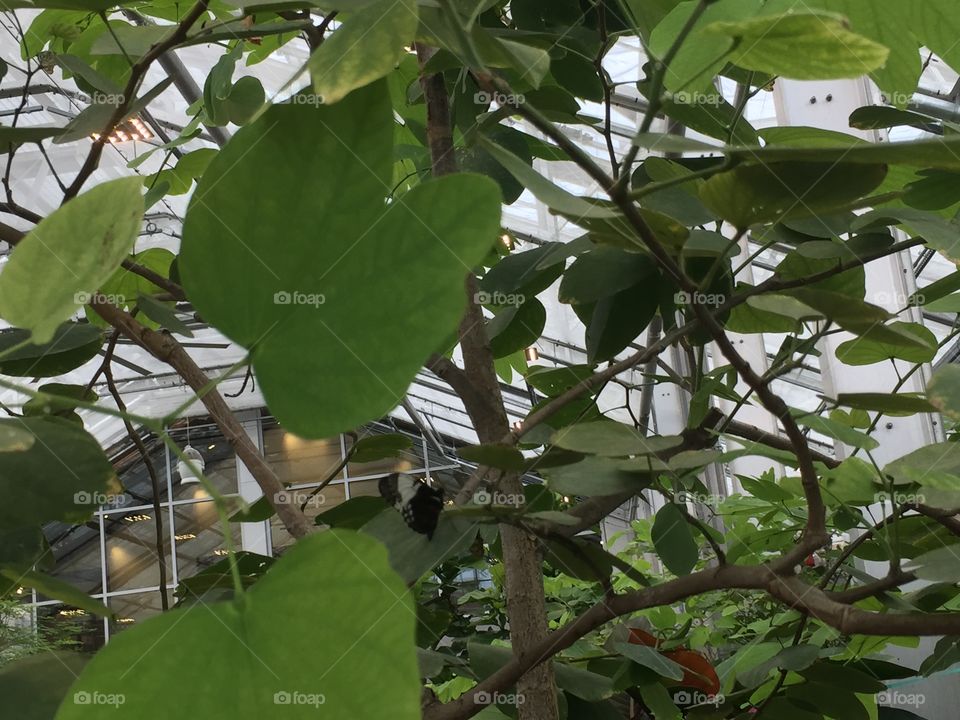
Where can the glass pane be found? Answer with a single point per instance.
(199, 537)
(135, 477)
(362, 488)
(131, 544)
(297, 461)
(450, 479)
(331, 496)
(59, 626)
(76, 554)
(136, 607)
(408, 461)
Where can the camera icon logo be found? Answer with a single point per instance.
(281, 698)
(482, 497)
(82, 697)
(82, 498)
(482, 697)
(284, 497)
(282, 297)
(82, 298)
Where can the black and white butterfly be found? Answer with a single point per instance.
(417, 502)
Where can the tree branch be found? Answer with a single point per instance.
(166, 349)
(137, 73)
(526, 604)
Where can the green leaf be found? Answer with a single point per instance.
(352, 514)
(771, 192)
(612, 439)
(577, 557)
(555, 381)
(796, 657)
(259, 511)
(927, 154)
(842, 676)
(617, 320)
(650, 658)
(57, 589)
(784, 709)
(936, 465)
(70, 347)
(379, 447)
(256, 645)
(865, 350)
(703, 54)
(215, 583)
(884, 23)
(477, 160)
(124, 287)
(935, 25)
(853, 482)
(57, 399)
(246, 98)
(821, 46)
(936, 290)
(879, 117)
(21, 547)
(132, 40)
(553, 196)
(37, 684)
(939, 234)
(162, 314)
(646, 14)
(942, 564)
(673, 540)
(13, 136)
(944, 390)
(505, 457)
(38, 485)
(304, 306)
(75, 249)
(521, 273)
(659, 701)
(603, 272)
(516, 327)
(853, 314)
(887, 403)
(365, 48)
(412, 554)
(593, 687)
(593, 476)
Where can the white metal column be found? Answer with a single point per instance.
(254, 537)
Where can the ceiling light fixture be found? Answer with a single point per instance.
(132, 129)
(187, 475)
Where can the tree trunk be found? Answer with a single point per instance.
(526, 605)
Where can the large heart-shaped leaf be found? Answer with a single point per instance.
(72, 251)
(270, 653)
(60, 477)
(413, 554)
(308, 258)
(71, 346)
(822, 48)
(673, 540)
(35, 685)
(365, 48)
